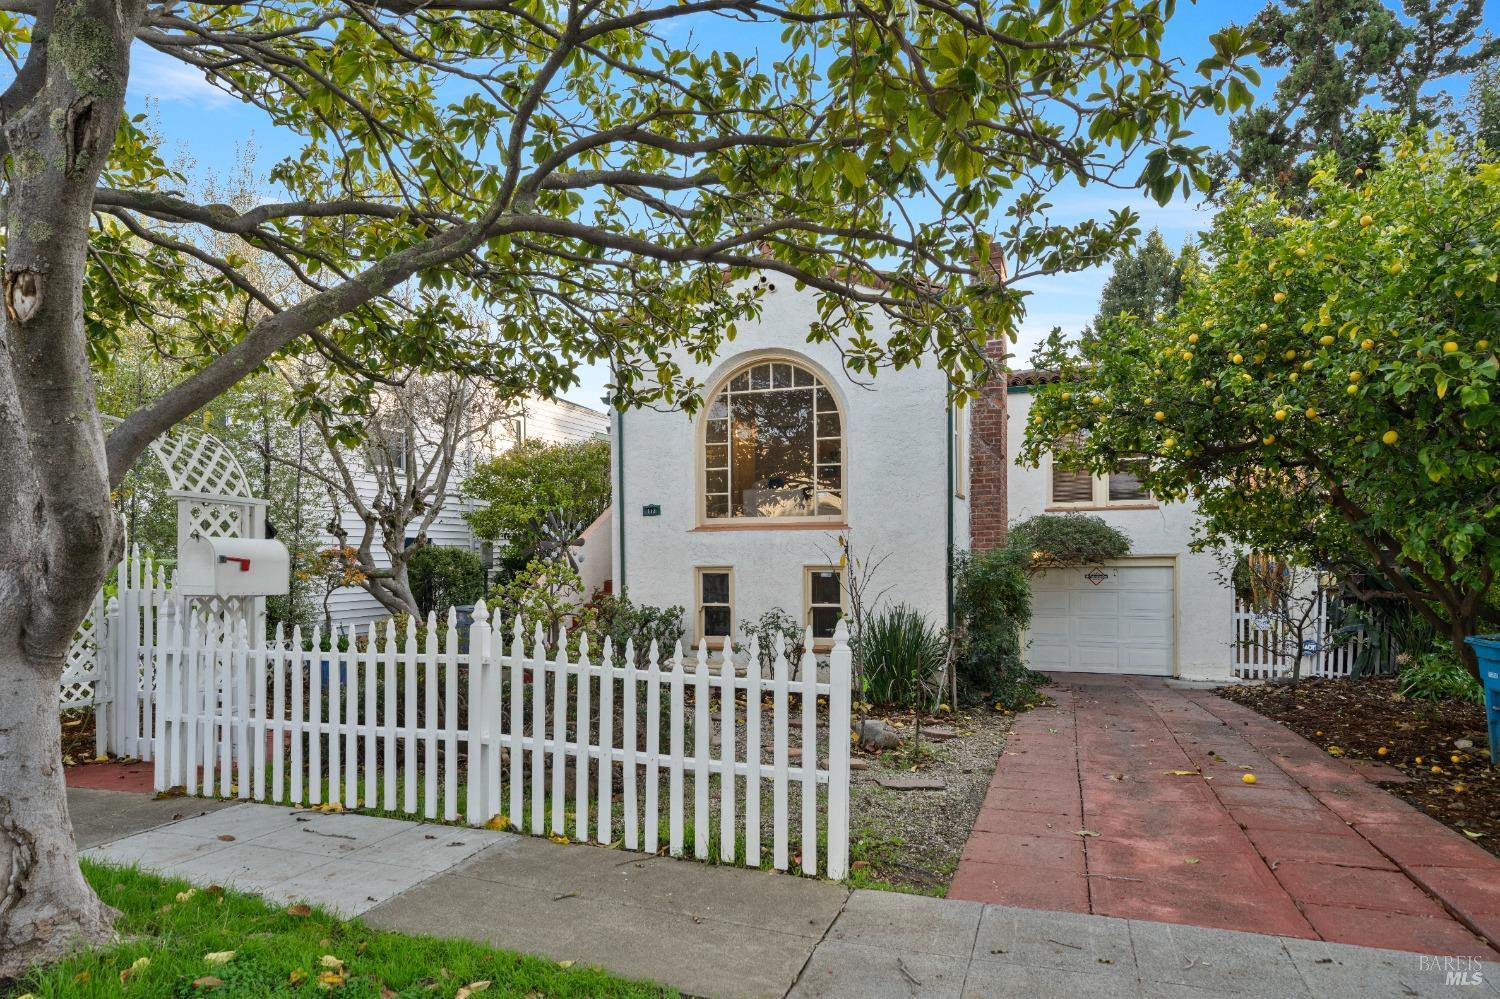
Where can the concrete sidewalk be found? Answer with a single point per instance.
(721, 931)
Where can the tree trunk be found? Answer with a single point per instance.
(48, 907)
(59, 532)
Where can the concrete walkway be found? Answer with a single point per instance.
(1124, 798)
(720, 931)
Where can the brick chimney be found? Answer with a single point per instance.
(988, 464)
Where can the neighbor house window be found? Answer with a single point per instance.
(1082, 488)
(825, 601)
(715, 605)
(960, 459)
(773, 446)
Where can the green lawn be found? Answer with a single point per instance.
(277, 952)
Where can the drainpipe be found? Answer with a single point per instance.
(948, 489)
(620, 490)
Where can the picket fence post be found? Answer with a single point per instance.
(840, 682)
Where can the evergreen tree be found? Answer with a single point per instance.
(1145, 283)
(1341, 58)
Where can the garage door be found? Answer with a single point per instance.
(1103, 619)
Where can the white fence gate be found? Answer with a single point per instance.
(1263, 647)
(417, 726)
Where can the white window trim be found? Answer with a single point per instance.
(960, 451)
(700, 453)
(821, 644)
(1099, 500)
(714, 641)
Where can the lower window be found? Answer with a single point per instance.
(824, 591)
(715, 619)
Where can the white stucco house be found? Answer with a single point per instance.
(1164, 610)
(739, 508)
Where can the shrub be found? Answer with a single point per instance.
(442, 576)
(772, 623)
(903, 657)
(1438, 675)
(617, 618)
(1057, 540)
(992, 605)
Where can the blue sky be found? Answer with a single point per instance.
(205, 129)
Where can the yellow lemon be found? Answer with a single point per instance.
(1436, 769)
(1355, 376)
(1453, 759)
(1365, 220)
(1187, 355)
(1248, 778)
(1263, 327)
(1449, 347)
(1382, 751)
(1281, 416)
(1192, 338)
(1483, 345)
(1353, 389)
(1160, 416)
(1236, 359)
(1279, 297)
(1367, 344)
(1312, 414)
(1397, 267)
(1268, 439)
(1169, 443)
(1390, 437)
(1290, 355)
(1326, 340)
(1066, 396)
(1300, 251)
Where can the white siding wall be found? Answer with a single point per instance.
(1203, 604)
(897, 487)
(553, 421)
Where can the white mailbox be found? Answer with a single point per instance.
(232, 567)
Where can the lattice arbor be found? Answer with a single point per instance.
(111, 653)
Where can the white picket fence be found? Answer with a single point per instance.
(417, 726)
(1263, 648)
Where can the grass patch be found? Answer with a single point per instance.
(278, 953)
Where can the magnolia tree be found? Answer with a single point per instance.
(568, 169)
(1326, 388)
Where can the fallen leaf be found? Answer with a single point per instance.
(296, 977)
(499, 822)
(330, 806)
(472, 988)
(218, 957)
(226, 838)
(1183, 773)
(559, 840)
(566, 964)
(1190, 860)
(1472, 834)
(1086, 832)
(138, 965)
(300, 910)
(82, 976)
(329, 961)
(185, 896)
(207, 982)
(329, 979)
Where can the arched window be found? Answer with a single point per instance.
(773, 446)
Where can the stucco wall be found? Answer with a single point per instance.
(897, 485)
(1204, 604)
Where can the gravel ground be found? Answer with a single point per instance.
(911, 840)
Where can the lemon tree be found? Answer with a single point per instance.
(1326, 388)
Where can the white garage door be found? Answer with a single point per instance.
(1105, 619)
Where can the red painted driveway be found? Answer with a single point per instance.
(1086, 814)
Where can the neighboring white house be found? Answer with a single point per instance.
(739, 508)
(1163, 610)
(555, 421)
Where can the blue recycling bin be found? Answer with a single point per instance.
(1487, 647)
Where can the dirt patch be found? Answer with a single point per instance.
(1456, 786)
(77, 736)
(912, 840)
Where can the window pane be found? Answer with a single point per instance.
(829, 477)
(717, 481)
(716, 456)
(824, 620)
(715, 587)
(830, 450)
(1071, 487)
(801, 378)
(740, 382)
(1124, 485)
(760, 376)
(718, 409)
(830, 504)
(825, 401)
(716, 622)
(781, 376)
(825, 587)
(718, 431)
(772, 472)
(717, 506)
(828, 424)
